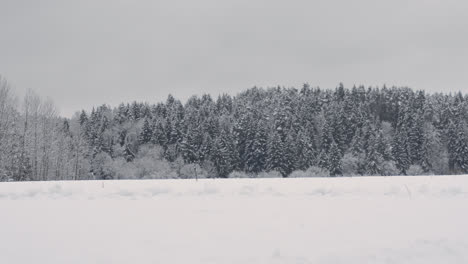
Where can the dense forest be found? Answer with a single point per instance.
(282, 132)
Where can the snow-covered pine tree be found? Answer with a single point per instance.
(374, 159)
(122, 114)
(190, 146)
(222, 154)
(461, 147)
(426, 151)
(277, 159)
(305, 150)
(146, 133)
(452, 140)
(159, 135)
(415, 137)
(256, 151)
(206, 147)
(334, 160)
(340, 123)
(83, 118)
(327, 136)
(400, 151)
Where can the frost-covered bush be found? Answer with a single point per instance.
(123, 169)
(389, 168)
(239, 174)
(350, 164)
(311, 172)
(298, 174)
(192, 171)
(148, 164)
(177, 165)
(315, 171)
(270, 174)
(102, 166)
(209, 169)
(415, 170)
(161, 169)
(147, 168)
(440, 164)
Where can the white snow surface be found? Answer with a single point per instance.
(315, 220)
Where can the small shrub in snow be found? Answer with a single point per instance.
(298, 174)
(177, 165)
(350, 165)
(389, 168)
(315, 171)
(311, 172)
(192, 171)
(415, 170)
(270, 174)
(123, 169)
(239, 174)
(102, 166)
(154, 169)
(148, 164)
(440, 162)
(209, 169)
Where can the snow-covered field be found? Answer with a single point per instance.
(320, 220)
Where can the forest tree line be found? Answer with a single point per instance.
(284, 132)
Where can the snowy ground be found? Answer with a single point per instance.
(343, 220)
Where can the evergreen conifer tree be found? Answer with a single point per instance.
(146, 133)
(256, 151)
(400, 152)
(334, 160)
(276, 159)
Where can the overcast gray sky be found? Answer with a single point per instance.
(90, 52)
